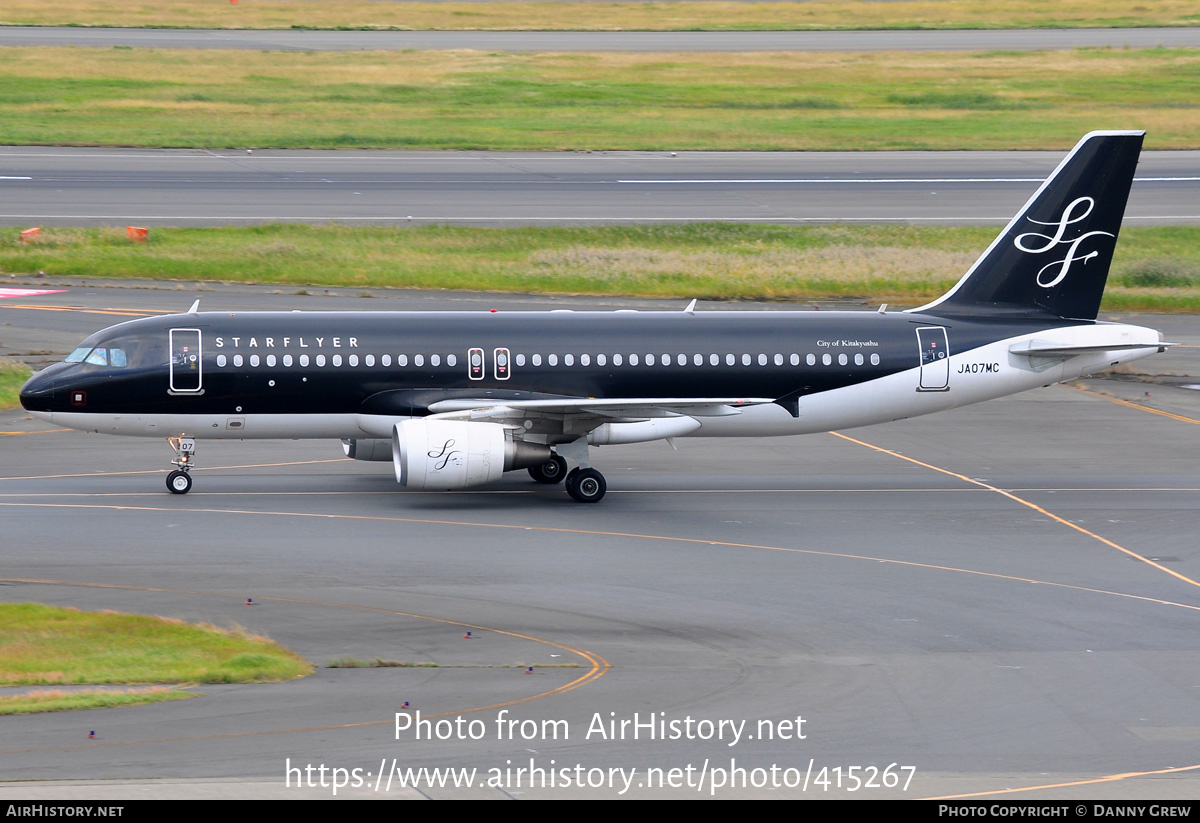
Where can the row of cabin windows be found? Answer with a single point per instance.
(536, 360)
(334, 360)
(696, 359)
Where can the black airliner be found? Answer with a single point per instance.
(457, 399)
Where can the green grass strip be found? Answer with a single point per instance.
(58, 700)
(592, 101)
(12, 377)
(658, 16)
(1155, 269)
(49, 645)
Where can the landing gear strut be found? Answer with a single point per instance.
(586, 485)
(180, 480)
(552, 471)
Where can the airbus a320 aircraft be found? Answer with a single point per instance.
(456, 399)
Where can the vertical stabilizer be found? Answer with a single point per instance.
(1053, 257)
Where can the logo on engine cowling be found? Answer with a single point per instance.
(444, 455)
(1059, 268)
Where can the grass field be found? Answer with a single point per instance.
(58, 700)
(48, 645)
(477, 100)
(1156, 269)
(819, 14)
(12, 377)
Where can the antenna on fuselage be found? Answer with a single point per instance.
(691, 307)
(195, 307)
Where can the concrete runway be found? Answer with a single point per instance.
(635, 41)
(77, 186)
(1003, 599)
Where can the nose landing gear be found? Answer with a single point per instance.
(180, 480)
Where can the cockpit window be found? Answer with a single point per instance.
(125, 351)
(99, 356)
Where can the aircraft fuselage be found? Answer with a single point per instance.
(347, 374)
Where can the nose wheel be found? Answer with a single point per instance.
(180, 480)
(586, 485)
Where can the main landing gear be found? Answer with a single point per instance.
(551, 472)
(180, 480)
(584, 484)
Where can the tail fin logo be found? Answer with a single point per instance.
(1076, 211)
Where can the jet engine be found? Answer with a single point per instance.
(454, 454)
(377, 450)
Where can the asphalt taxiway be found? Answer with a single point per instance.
(629, 41)
(1003, 597)
(85, 187)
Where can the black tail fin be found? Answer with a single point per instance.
(1053, 257)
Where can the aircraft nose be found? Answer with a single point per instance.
(38, 392)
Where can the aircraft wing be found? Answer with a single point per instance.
(611, 409)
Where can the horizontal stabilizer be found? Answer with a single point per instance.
(1049, 349)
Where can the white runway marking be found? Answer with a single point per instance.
(886, 180)
(226, 219)
(27, 292)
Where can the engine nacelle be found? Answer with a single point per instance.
(377, 450)
(455, 454)
(610, 434)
